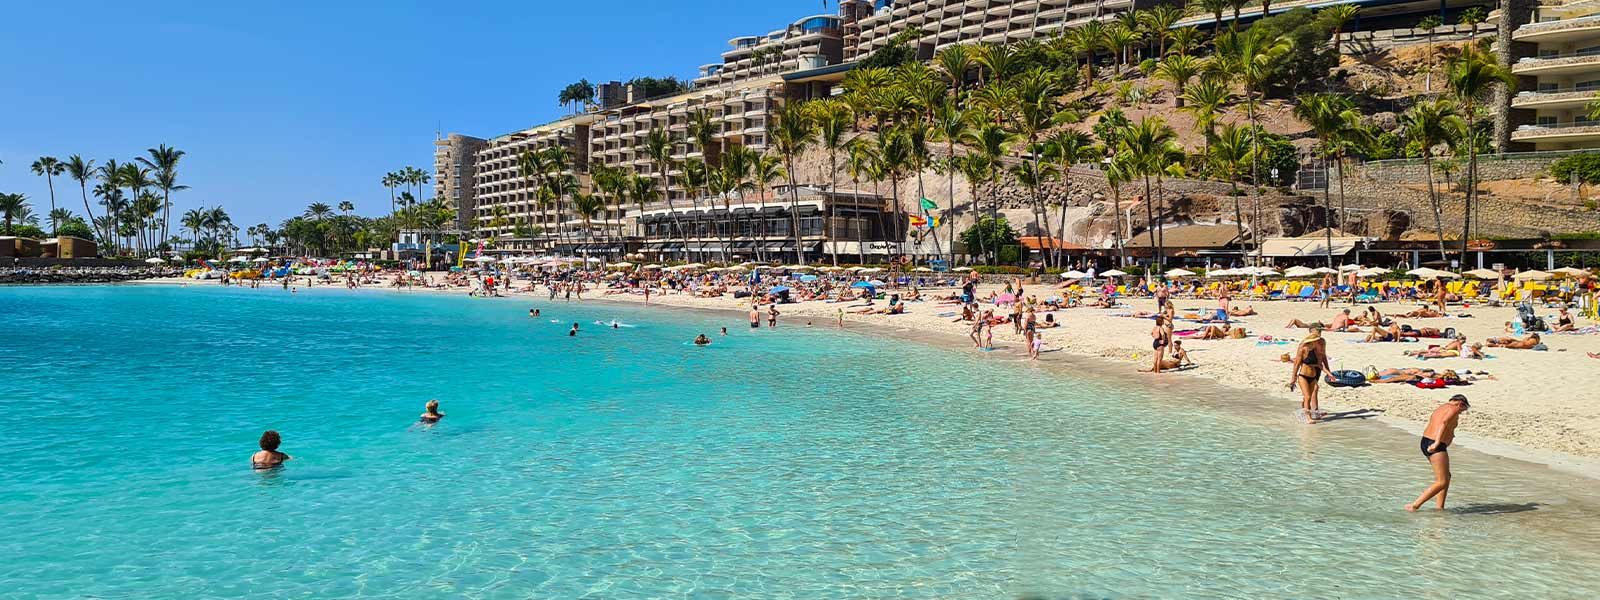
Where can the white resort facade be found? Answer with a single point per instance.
(1559, 76)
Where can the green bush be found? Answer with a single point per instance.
(1309, 58)
(988, 234)
(76, 228)
(999, 270)
(27, 231)
(1586, 166)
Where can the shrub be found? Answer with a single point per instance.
(999, 270)
(76, 228)
(989, 234)
(1586, 166)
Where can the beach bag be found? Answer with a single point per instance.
(1432, 383)
(1346, 378)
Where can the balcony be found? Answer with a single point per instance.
(1565, 30)
(1560, 98)
(1578, 131)
(1559, 64)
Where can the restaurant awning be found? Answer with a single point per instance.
(1198, 237)
(1308, 247)
(1039, 242)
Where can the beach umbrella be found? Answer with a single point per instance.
(1372, 272)
(870, 270)
(862, 284)
(1113, 273)
(1532, 276)
(1326, 271)
(1428, 273)
(1260, 272)
(1299, 272)
(154, 260)
(875, 282)
(798, 267)
(922, 270)
(239, 259)
(651, 267)
(1175, 273)
(481, 259)
(622, 265)
(1074, 275)
(1570, 271)
(808, 278)
(778, 289)
(1483, 274)
(260, 260)
(962, 269)
(1220, 272)
(692, 266)
(1348, 268)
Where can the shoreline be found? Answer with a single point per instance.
(1092, 359)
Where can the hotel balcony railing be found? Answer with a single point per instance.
(1562, 95)
(1547, 26)
(1573, 129)
(1538, 63)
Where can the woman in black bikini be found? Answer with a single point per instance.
(1310, 362)
(1161, 337)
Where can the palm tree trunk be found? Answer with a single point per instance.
(899, 233)
(1066, 184)
(1255, 165)
(1433, 194)
(1238, 211)
(833, 206)
(1327, 210)
(950, 154)
(1150, 226)
(1116, 216)
(166, 215)
(1472, 187)
(50, 181)
(861, 250)
(83, 189)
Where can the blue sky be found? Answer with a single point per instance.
(280, 104)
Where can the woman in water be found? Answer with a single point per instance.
(1310, 362)
(269, 456)
(1161, 337)
(1436, 438)
(430, 413)
(702, 340)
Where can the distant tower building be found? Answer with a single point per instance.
(454, 159)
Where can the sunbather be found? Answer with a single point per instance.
(1450, 350)
(1404, 375)
(1422, 313)
(1341, 322)
(1526, 343)
(1247, 311)
(1379, 334)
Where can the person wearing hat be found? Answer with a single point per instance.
(1436, 438)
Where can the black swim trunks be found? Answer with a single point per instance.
(1428, 443)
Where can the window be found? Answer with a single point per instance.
(1545, 121)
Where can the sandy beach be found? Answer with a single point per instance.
(1537, 406)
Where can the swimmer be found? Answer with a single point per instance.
(533, 312)
(724, 332)
(574, 332)
(702, 340)
(269, 456)
(431, 414)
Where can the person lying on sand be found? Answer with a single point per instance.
(1179, 358)
(1247, 311)
(893, 309)
(1408, 375)
(1370, 317)
(1422, 313)
(1379, 334)
(1212, 332)
(1594, 355)
(1450, 350)
(1526, 343)
(1340, 322)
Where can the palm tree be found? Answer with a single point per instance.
(1184, 39)
(1250, 55)
(992, 142)
(392, 180)
(658, 145)
(1215, 8)
(642, 190)
(1339, 15)
(1473, 75)
(1158, 21)
(59, 216)
(791, 133)
(48, 167)
(137, 179)
(163, 161)
(703, 131)
(318, 211)
(1084, 41)
(955, 62)
(833, 119)
(1236, 5)
(1068, 148)
(587, 207)
(13, 207)
(1149, 145)
(345, 206)
(996, 62)
(1428, 124)
(1118, 38)
(949, 124)
(1473, 17)
(1206, 100)
(557, 160)
(734, 177)
(1429, 24)
(1033, 174)
(1229, 154)
(1178, 69)
(194, 220)
(1329, 115)
(859, 161)
(82, 171)
(1118, 172)
(767, 170)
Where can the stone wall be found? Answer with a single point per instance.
(1413, 172)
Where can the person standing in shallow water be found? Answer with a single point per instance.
(430, 413)
(1436, 438)
(269, 456)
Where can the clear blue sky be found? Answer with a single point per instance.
(280, 104)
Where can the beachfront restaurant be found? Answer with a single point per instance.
(761, 228)
(1191, 244)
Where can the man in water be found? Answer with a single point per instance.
(724, 332)
(533, 312)
(702, 340)
(1436, 438)
(430, 413)
(755, 316)
(574, 332)
(269, 456)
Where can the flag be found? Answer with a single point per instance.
(918, 221)
(929, 204)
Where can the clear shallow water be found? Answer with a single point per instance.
(627, 463)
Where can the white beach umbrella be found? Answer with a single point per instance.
(1570, 271)
(692, 266)
(922, 270)
(798, 267)
(1427, 273)
(1299, 272)
(1180, 273)
(1326, 271)
(1114, 273)
(1532, 276)
(1349, 268)
(962, 269)
(481, 259)
(1372, 272)
(154, 260)
(1262, 272)
(260, 260)
(1483, 274)
(870, 270)
(651, 267)
(1073, 275)
(1220, 272)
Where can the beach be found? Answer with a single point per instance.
(1535, 407)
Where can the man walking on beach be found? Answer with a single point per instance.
(1436, 438)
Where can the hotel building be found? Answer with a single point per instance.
(1558, 75)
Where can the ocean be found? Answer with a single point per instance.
(626, 462)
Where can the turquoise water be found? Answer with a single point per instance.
(627, 463)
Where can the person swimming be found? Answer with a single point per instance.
(431, 414)
(702, 340)
(533, 312)
(724, 332)
(574, 332)
(269, 456)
